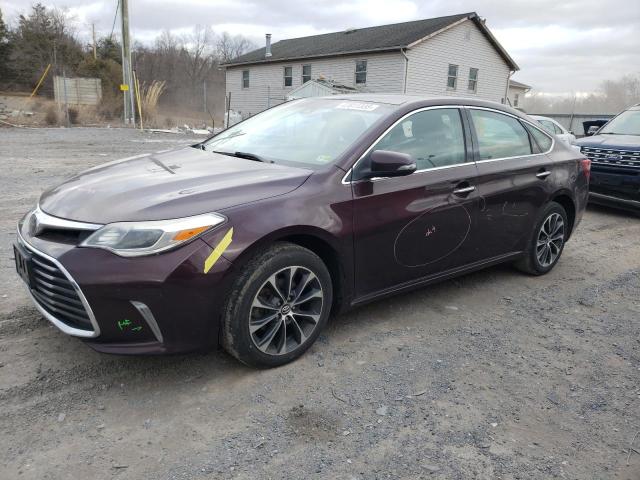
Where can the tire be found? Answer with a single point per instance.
(534, 262)
(262, 328)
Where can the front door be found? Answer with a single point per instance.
(408, 228)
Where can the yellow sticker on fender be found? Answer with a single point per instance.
(218, 251)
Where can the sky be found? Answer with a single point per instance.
(561, 46)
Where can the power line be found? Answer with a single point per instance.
(114, 21)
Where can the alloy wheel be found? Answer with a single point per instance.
(550, 240)
(286, 310)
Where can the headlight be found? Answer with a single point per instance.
(133, 239)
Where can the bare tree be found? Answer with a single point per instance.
(230, 47)
(198, 53)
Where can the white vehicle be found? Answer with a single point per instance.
(554, 128)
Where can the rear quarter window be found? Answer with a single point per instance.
(542, 141)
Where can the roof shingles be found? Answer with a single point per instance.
(384, 37)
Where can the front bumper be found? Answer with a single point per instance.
(146, 305)
(615, 187)
(614, 201)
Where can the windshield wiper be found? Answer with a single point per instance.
(252, 156)
(245, 155)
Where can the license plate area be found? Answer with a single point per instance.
(24, 263)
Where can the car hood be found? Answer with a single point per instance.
(172, 184)
(619, 142)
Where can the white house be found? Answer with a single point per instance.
(455, 55)
(517, 91)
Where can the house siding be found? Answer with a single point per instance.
(385, 73)
(463, 45)
(512, 95)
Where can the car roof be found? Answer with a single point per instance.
(541, 117)
(408, 102)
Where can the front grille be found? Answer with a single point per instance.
(612, 158)
(56, 294)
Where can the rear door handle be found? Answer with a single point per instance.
(463, 190)
(543, 174)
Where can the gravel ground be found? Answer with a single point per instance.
(493, 375)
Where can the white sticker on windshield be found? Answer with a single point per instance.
(362, 106)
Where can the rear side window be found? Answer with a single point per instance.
(434, 138)
(500, 136)
(543, 141)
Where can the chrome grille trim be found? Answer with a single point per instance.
(52, 296)
(612, 157)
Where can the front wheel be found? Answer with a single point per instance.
(278, 305)
(547, 242)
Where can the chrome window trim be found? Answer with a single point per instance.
(345, 180)
(46, 220)
(368, 150)
(553, 140)
(76, 332)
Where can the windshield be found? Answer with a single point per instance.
(310, 132)
(627, 123)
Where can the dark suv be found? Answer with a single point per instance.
(614, 152)
(252, 238)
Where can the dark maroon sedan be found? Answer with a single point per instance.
(252, 238)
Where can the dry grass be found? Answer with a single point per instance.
(149, 96)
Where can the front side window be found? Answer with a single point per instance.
(245, 79)
(452, 77)
(308, 133)
(627, 123)
(473, 79)
(499, 135)
(361, 72)
(434, 138)
(306, 73)
(288, 76)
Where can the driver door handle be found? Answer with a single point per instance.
(543, 174)
(463, 190)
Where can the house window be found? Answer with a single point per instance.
(473, 79)
(361, 72)
(245, 79)
(516, 99)
(452, 78)
(288, 76)
(306, 73)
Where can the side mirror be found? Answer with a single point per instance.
(391, 164)
(592, 130)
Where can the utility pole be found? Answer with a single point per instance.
(204, 89)
(93, 34)
(127, 78)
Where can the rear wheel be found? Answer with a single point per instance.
(547, 242)
(279, 304)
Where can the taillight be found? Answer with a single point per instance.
(585, 164)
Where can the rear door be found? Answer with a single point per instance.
(514, 178)
(407, 228)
